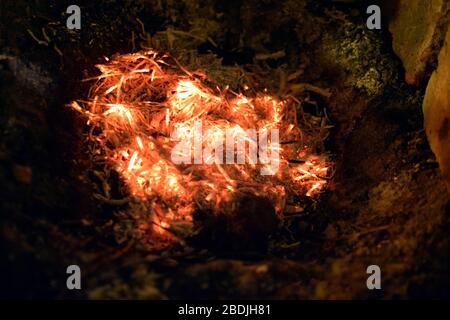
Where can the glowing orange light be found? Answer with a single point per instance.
(137, 102)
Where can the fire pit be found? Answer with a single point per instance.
(181, 147)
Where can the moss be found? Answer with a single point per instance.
(362, 56)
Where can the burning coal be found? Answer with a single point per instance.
(144, 111)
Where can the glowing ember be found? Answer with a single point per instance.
(144, 112)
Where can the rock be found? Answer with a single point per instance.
(247, 229)
(436, 108)
(417, 28)
(358, 57)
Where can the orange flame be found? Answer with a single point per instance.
(137, 102)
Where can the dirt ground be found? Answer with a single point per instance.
(386, 204)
